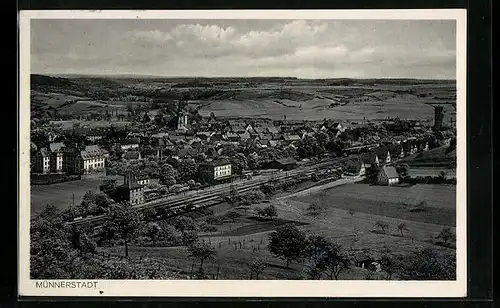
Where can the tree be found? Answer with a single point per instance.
(257, 267)
(389, 264)
(56, 252)
(371, 172)
(428, 264)
(233, 194)
(108, 186)
(315, 207)
(402, 227)
(170, 234)
(213, 220)
(150, 213)
(123, 220)
(232, 215)
(184, 223)
(205, 227)
(153, 231)
(270, 212)
(188, 169)
(315, 256)
(201, 251)
(288, 243)
(382, 225)
(260, 212)
(189, 237)
(167, 174)
(80, 237)
(238, 163)
(419, 207)
(446, 234)
(335, 260)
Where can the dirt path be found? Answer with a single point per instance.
(314, 189)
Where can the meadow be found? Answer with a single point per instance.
(61, 194)
(348, 222)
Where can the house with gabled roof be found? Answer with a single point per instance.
(306, 135)
(129, 144)
(77, 161)
(273, 130)
(132, 155)
(370, 159)
(204, 135)
(289, 138)
(94, 135)
(273, 143)
(387, 175)
(362, 259)
(249, 128)
(41, 161)
(232, 137)
(216, 171)
(130, 191)
(177, 139)
(265, 137)
(260, 129)
(159, 135)
(165, 143)
(244, 136)
(284, 164)
(356, 167)
(56, 156)
(185, 153)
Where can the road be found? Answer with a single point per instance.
(342, 181)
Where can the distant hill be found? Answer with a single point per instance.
(48, 81)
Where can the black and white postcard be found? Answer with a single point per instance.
(243, 153)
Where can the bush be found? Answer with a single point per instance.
(213, 220)
(270, 212)
(419, 207)
(428, 264)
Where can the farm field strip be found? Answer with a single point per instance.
(436, 195)
(440, 216)
(342, 223)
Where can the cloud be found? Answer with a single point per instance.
(302, 48)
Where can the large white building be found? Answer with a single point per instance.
(48, 160)
(222, 170)
(56, 157)
(219, 170)
(92, 158)
(41, 161)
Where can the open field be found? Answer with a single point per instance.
(275, 98)
(69, 124)
(61, 194)
(240, 242)
(403, 106)
(393, 201)
(431, 171)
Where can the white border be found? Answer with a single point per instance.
(242, 288)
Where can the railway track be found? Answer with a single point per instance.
(178, 204)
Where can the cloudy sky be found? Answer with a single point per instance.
(296, 48)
